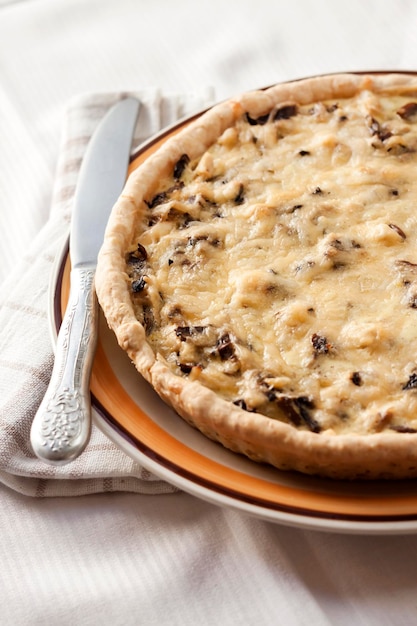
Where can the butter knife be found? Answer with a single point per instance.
(62, 425)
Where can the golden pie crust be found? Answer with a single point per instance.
(260, 270)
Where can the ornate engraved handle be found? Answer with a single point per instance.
(62, 425)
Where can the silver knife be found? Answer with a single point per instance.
(62, 425)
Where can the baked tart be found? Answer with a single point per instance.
(260, 270)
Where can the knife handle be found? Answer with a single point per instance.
(61, 427)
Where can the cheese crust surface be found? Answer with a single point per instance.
(261, 271)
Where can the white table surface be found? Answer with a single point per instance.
(129, 559)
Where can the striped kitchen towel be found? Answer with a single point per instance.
(26, 353)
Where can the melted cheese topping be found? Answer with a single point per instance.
(280, 268)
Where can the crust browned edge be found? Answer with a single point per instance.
(372, 456)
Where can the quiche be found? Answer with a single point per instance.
(260, 270)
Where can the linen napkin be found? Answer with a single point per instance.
(26, 352)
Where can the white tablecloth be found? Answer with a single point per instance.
(133, 559)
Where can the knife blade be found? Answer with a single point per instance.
(62, 425)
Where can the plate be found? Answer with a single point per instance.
(133, 416)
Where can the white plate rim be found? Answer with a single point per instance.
(321, 522)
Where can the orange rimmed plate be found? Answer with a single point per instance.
(132, 415)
